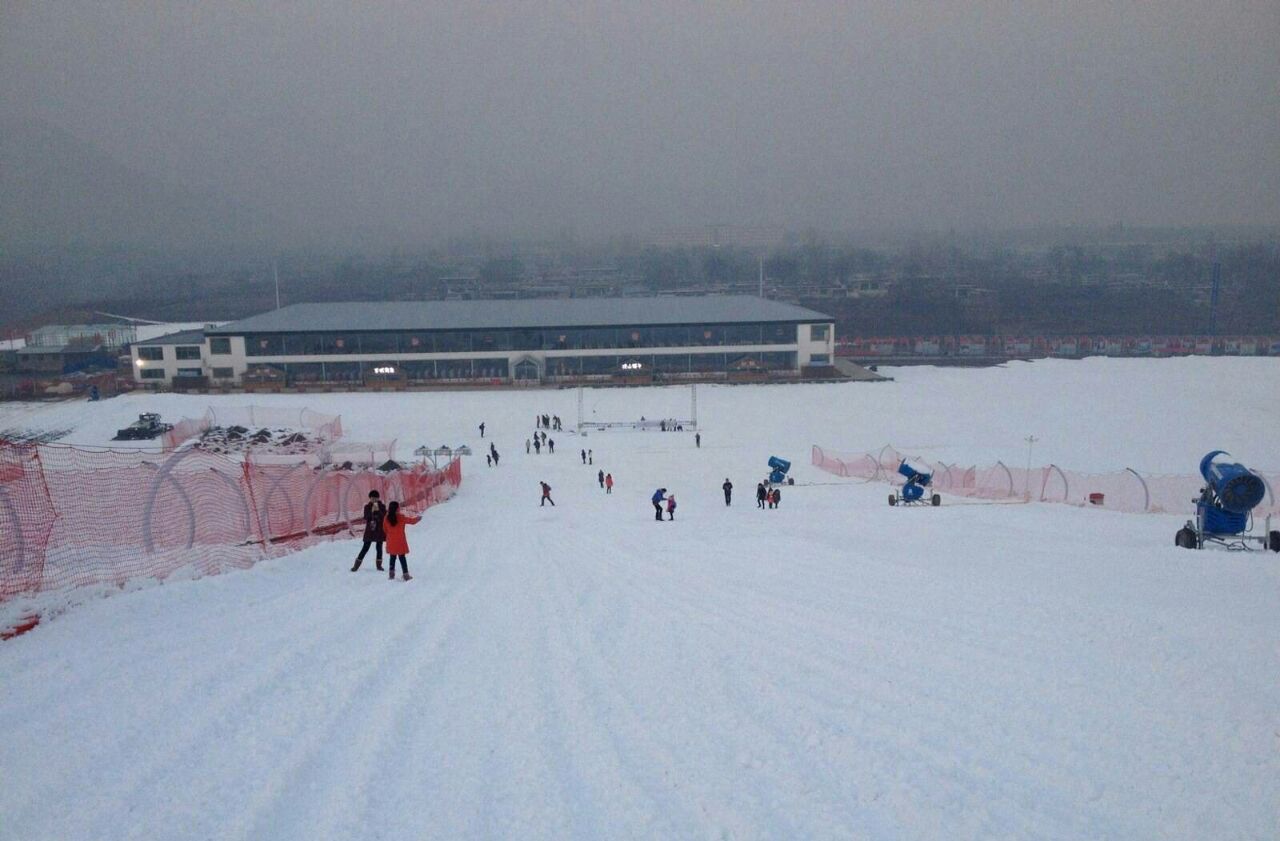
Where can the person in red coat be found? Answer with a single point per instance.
(397, 543)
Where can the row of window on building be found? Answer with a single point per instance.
(470, 341)
(486, 369)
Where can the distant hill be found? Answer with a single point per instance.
(57, 190)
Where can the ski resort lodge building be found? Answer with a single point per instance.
(509, 341)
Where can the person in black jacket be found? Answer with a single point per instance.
(728, 490)
(374, 535)
(760, 494)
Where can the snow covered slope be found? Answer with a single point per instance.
(832, 669)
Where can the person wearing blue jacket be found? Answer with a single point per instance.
(658, 496)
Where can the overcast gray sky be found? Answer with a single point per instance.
(422, 120)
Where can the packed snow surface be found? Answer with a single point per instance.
(835, 668)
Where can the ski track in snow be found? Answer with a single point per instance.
(831, 669)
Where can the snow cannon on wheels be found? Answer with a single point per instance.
(1224, 509)
(913, 489)
(779, 468)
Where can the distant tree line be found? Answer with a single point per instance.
(922, 287)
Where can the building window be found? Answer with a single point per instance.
(224, 373)
(187, 352)
(189, 372)
(819, 332)
(820, 359)
(151, 353)
(220, 345)
(153, 373)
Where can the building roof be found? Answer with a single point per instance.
(182, 337)
(534, 312)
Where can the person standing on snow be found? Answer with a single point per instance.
(600, 478)
(495, 454)
(551, 445)
(727, 487)
(488, 459)
(527, 445)
(777, 498)
(481, 429)
(374, 535)
(591, 457)
(537, 446)
(658, 496)
(397, 543)
(608, 483)
(697, 440)
(761, 493)
(584, 456)
(546, 495)
(671, 507)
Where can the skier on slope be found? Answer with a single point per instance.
(658, 496)
(546, 495)
(727, 487)
(397, 543)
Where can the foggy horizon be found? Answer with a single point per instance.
(394, 126)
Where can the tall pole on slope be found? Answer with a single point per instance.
(1026, 489)
(762, 275)
(275, 270)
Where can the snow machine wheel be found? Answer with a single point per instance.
(893, 500)
(935, 500)
(1273, 541)
(1185, 538)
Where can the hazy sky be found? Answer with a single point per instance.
(422, 120)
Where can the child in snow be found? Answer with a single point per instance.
(671, 507)
(397, 543)
(608, 483)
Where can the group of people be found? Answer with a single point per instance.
(766, 493)
(492, 456)
(606, 481)
(539, 441)
(659, 497)
(386, 524)
(551, 422)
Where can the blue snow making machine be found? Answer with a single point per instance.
(778, 468)
(1224, 509)
(912, 492)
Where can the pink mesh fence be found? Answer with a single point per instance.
(1123, 490)
(71, 517)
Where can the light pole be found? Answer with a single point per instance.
(1026, 490)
